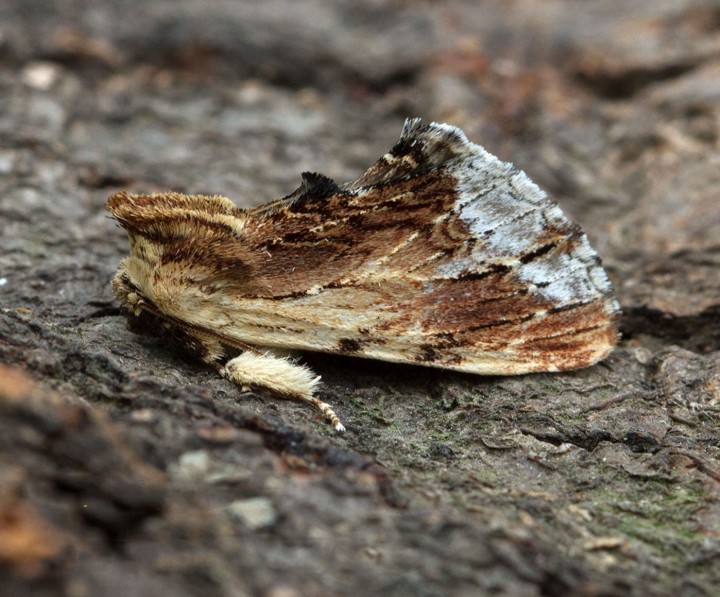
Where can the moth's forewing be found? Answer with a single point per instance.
(440, 254)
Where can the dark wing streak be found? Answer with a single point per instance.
(570, 334)
(313, 188)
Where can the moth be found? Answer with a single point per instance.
(440, 254)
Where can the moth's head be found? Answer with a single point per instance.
(142, 316)
(139, 215)
(128, 292)
(180, 245)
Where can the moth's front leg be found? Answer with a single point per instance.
(281, 376)
(257, 369)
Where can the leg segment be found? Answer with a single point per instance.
(279, 375)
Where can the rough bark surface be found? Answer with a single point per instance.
(125, 470)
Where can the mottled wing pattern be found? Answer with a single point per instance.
(439, 254)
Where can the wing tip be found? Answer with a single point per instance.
(436, 134)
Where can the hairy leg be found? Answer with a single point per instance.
(281, 376)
